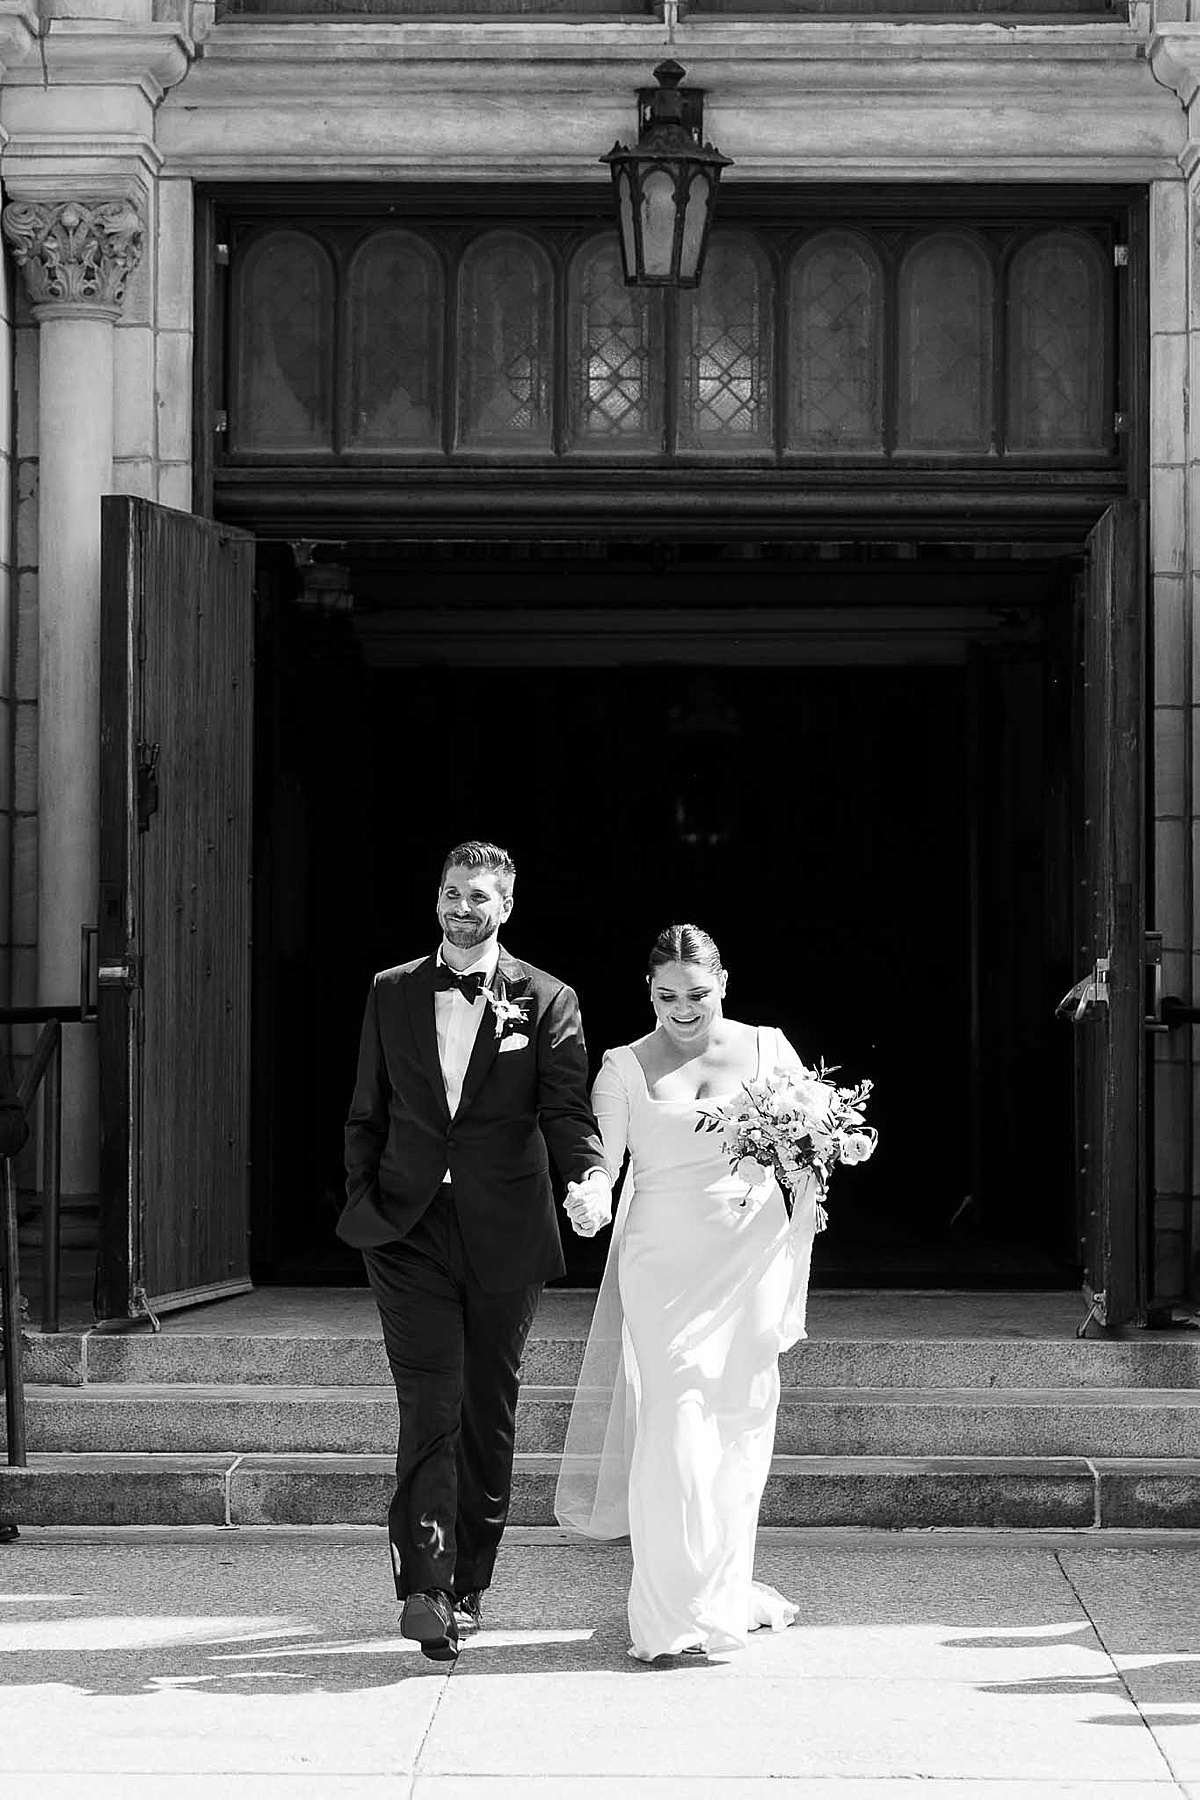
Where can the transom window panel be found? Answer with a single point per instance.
(946, 363)
(394, 311)
(835, 391)
(1058, 337)
(614, 356)
(727, 358)
(284, 324)
(505, 325)
(424, 339)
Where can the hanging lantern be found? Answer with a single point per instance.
(666, 186)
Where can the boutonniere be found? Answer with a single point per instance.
(510, 1014)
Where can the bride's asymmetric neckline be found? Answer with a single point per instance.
(701, 1099)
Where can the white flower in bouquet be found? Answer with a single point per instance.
(796, 1123)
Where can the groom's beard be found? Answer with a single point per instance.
(468, 936)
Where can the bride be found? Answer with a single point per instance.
(673, 1424)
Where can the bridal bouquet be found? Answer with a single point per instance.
(797, 1123)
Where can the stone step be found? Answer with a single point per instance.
(127, 1418)
(74, 1359)
(1067, 1493)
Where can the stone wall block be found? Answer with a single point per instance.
(135, 475)
(7, 586)
(1170, 641)
(1170, 761)
(25, 681)
(1168, 529)
(26, 356)
(133, 392)
(1169, 364)
(173, 389)
(27, 513)
(23, 922)
(175, 486)
(7, 547)
(175, 256)
(1168, 910)
(1172, 1103)
(7, 375)
(1168, 256)
(25, 757)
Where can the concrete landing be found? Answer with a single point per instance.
(230, 1666)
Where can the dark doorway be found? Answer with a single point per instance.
(857, 780)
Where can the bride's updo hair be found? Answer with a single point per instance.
(683, 944)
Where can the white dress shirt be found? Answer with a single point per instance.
(457, 1020)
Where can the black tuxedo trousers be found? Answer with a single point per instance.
(455, 1350)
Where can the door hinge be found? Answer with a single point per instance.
(1087, 996)
(1120, 256)
(124, 974)
(1120, 424)
(220, 422)
(221, 255)
(147, 783)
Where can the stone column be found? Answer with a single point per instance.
(77, 256)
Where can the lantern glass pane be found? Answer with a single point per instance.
(283, 377)
(695, 222)
(625, 220)
(658, 222)
(394, 313)
(1057, 333)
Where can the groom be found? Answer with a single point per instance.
(471, 1066)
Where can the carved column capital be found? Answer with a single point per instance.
(77, 255)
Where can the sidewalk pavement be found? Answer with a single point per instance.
(950, 1666)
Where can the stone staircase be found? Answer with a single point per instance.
(900, 1411)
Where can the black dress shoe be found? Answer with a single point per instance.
(468, 1610)
(429, 1618)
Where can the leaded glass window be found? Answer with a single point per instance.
(1056, 344)
(283, 359)
(835, 386)
(946, 351)
(727, 351)
(394, 315)
(614, 358)
(505, 345)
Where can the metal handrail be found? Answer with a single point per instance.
(44, 1072)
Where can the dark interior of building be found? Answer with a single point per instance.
(855, 778)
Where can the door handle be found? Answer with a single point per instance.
(1087, 996)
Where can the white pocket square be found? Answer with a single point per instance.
(515, 1042)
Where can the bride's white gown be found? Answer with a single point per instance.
(674, 1421)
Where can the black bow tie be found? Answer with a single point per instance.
(469, 986)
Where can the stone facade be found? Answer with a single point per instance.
(114, 112)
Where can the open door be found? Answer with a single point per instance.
(176, 695)
(1107, 1005)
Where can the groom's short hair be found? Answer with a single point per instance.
(476, 853)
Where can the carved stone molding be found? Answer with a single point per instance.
(75, 254)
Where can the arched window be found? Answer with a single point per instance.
(394, 319)
(727, 344)
(505, 345)
(615, 378)
(1057, 337)
(282, 349)
(946, 351)
(835, 386)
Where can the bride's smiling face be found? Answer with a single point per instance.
(687, 1001)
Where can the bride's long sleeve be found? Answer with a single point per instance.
(610, 1103)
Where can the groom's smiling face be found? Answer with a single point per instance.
(472, 906)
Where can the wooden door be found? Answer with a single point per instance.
(1108, 1004)
(175, 861)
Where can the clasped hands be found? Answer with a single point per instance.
(588, 1204)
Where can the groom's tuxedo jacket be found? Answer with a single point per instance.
(525, 1088)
